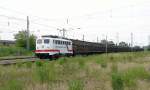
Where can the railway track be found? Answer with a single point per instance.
(14, 60)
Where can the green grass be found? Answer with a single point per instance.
(76, 85)
(115, 71)
(13, 51)
(131, 76)
(117, 81)
(128, 78)
(13, 85)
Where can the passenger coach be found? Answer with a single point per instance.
(53, 47)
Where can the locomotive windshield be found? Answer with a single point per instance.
(39, 41)
(46, 41)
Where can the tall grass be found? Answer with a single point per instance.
(128, 78)
(76, 85)
(102, 61)
(117, 81)
(13, 85)
(131, 76)
(77, 73)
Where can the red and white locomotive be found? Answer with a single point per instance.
(53, 47)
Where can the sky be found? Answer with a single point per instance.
(92, 18)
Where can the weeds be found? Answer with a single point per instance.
(102, 62)
(62, 61)
(117, 81)
(131, 75)
(72, 72)
(128, 78)
(28, 64)
(81, 63)
(39, 63)
(19, 64)
(43, 74)
(76, 85)
(114, 68)
(12, 85)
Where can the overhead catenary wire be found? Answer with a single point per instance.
(46, 19)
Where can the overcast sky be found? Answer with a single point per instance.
(95, 18)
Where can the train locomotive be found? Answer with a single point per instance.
(49, 46)
(53, 47)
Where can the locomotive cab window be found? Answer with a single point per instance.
(46, 41)
(39, 41)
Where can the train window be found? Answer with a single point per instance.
(58, 42)
(46, 41)
(69, 43)
(39, 41)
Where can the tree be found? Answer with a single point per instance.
(123, 44)
(111, 43)
(21, 38)
(147, 48)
